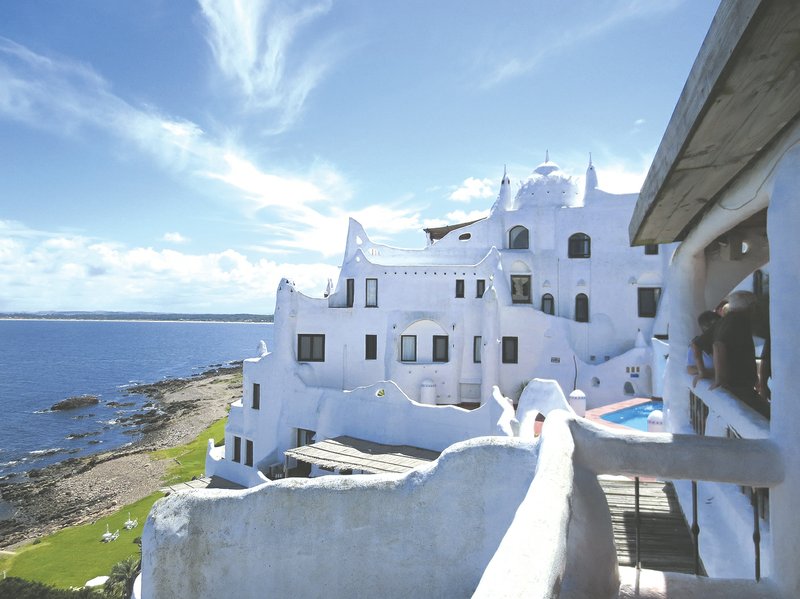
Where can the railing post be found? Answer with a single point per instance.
(695, 529)
(638, 524)
(757, 534)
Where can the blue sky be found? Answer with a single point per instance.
(183, 156)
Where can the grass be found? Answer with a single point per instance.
(76, 554)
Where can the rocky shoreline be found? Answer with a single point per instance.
(79, 490)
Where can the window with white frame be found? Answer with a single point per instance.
(372, 293)
(310, 348)
(521, 289)
(510, 350)
(548, 304)
(408, 348)
(518, 238)
(648, 301)
(440, 347)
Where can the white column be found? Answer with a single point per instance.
(783, 218)
(686, 285)
(490, 339)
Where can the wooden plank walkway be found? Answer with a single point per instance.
(666, 538)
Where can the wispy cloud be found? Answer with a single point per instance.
(175, 237)
(611, 15)
(66, 97)
(254, 44)
(90, 274)
(472, 189)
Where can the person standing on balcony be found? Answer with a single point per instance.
(700, 359)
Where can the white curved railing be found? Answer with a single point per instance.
(559, 509)
(730, 411)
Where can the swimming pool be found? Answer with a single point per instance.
(634, 416)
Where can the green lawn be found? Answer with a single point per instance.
(74, 555)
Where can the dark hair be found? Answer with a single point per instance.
(707, 319)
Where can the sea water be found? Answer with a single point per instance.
(45, 361)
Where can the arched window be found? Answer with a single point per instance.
(548, 304)
(580, 246)
(518, 238)
(582, 308)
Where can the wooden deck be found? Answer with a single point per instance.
(665, 536)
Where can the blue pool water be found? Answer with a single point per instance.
(634, 416)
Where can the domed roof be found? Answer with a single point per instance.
(548, 185)
(547, 167)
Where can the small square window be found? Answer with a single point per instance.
(651, 249)
(371, 347)
(408, 348)
(459, 287)
(310, 348)
(510, 350)
(476, 349)
(440, 347)
(480, 287)
(256, 396)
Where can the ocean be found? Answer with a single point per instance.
(45, 361)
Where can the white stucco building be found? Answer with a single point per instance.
(545, 287)
(517, 517)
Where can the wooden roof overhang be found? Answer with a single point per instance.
(357, 454)
(742, 93)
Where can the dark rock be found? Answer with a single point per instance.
(77, 401)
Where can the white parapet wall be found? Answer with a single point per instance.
(429, 533)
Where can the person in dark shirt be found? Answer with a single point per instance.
(701, 349)
(734, 353)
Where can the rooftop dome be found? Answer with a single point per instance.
(548, 185)
(547, 167)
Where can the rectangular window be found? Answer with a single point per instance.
(476, 349)
(440, 347)
(237, 449)
(351, 292)
(248, 456)
(256, 396)
(459, 287)
(480, 287)
(651, 249)
(372, 293)
(510, 350)
(648, 301)
(408, 348)
(521, 289)
(310, 348)
(371, 347)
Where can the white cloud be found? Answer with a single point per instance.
(64, 96)
(460, 216)
(620, 178)
(86, 274)
(253, 42)
(472, 188)
(175, 237)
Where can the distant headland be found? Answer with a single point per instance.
(149, 316)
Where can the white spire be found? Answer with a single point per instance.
(547, 155)
(591, 176)
(504, 198)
